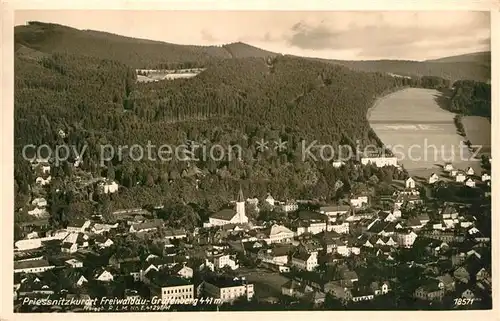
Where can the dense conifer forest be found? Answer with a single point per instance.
(84, 84)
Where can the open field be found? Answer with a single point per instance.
(421, 134)
(477, 130)
(147, 75)
(266, 283)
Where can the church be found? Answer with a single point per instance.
(231, 215)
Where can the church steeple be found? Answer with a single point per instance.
(240, 208)
(240, 196)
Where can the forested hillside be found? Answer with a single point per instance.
(451, 70)
(84, 84)
(471, 98)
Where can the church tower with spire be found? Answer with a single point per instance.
(240, 208)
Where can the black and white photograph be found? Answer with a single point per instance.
(224, 160)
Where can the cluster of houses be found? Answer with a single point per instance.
(466, 177)
(299, 247)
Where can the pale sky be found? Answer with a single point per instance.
(356, 35)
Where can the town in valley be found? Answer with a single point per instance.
(269, 229)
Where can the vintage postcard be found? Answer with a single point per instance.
(250, 160)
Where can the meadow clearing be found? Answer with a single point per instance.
(421, 134)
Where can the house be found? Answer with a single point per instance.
(99, 228)
(170, 288)
(380, 161)
(277, 255)
(33, 286)
(448, 167)
(289, 206)
(410, 183)
(449, 212)
(183, 271)
(103, 242)
(482, 274)
(108, 187)
(32, 266)
(429, 292)
(362, 294)
(349, 276)
(146, 226)
(406, 238)
(305, 261)
(103, 275)
(485, 177)
(448, 282)
(338, 164)
(38, 212)
(43, 181)
(433, 178)
(270, 200)
(295, 289)
(461, 274)
(460, 177)
(468, 294)
(309, 226)
(175, 234)
(470, 171)
(334, 211)
(39, 202)
(68, 247)
(226, 289)
(78, 226)
(339, 291)
(359, 201)
(222, 260)
(231, 216)
(278, 234)
(453, 172)
(74, 263)
(470, 183)
(380, 288)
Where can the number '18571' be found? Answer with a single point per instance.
(463, 301)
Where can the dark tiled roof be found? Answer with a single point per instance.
(30, 264)
(225, 214)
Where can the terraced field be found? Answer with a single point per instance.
(420, 133)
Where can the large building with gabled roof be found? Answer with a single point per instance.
(234, 215)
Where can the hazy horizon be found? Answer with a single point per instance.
(370, 35)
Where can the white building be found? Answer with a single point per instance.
(32, 266)
(289, 206)
(43, 181)
(227, 290)
(460, 177)
(305, 261)
(340, 227)
(334, 211)
(230, 216)
(448, 167)
(221, 261)
(108, 187)
(279, 234)
(485, 177)
(470, 183)
(39, 202)
(270, 200)
(338, 164)
(410, 183)
(470, 171)
(380, 161)
(433, 178)
(176, 289)
(406, 239)
(359, 201)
